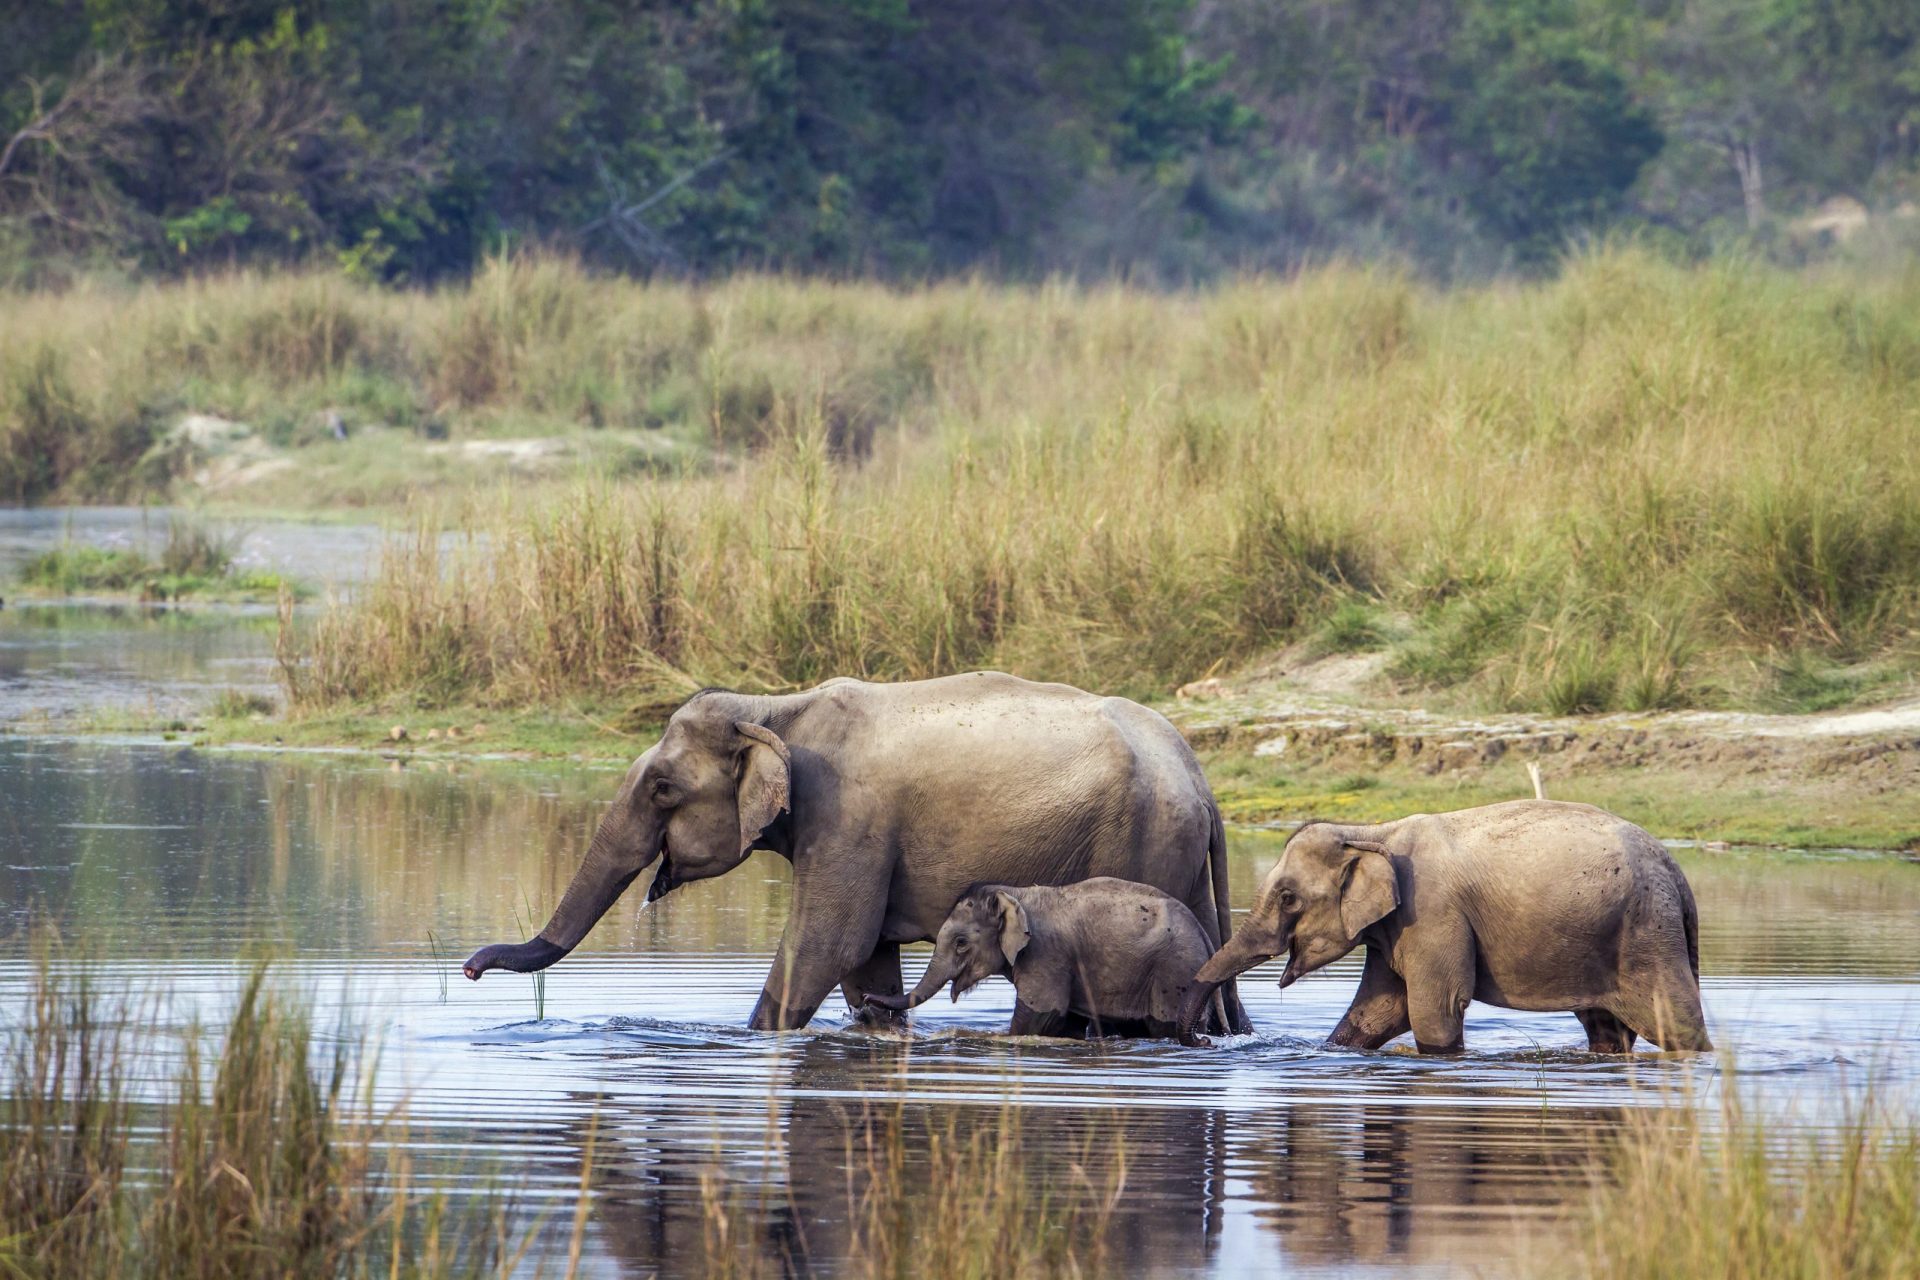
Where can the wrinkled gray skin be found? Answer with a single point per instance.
(1528, 905)
(1115, 956)
(891, 800)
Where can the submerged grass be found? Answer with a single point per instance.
(258, 1155)
(1682, 1196)
(977, 1207)
(963, 1192)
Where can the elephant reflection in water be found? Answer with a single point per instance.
(1375, 1183)
(664, 1185)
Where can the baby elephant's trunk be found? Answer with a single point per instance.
(938, 971)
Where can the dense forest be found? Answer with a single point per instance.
(405, 140)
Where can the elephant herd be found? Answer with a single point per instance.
(1070, 842)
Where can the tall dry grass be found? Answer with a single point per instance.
(256, 1161)
(1684, 1196)
(1636, 485)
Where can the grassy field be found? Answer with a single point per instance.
(1636, 485)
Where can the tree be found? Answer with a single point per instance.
(1548, 124)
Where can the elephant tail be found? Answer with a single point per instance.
(1217, 872)
(1690, 921)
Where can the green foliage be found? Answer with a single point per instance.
(1550, 126)
(195, 560)
(412, 139)
(214, 222)
(1354, 626)
(237, 704)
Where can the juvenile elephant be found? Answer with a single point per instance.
(1110, 953)
(1528, 905)
(890, 800)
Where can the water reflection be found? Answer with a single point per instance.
(1206, 1189)
(1269, 1153)
(834, 1156)
(60, 661)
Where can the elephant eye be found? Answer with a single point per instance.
(662, 791)
(959, 944)
(1287, 900)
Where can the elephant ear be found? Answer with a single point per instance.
(764, 770)
(1368, 889)
(1014, 934)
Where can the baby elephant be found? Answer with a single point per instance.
(1113, 954)
(1526, 905)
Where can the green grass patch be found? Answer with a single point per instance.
(1675, 804)
(196, 561)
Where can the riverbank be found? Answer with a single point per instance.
(1278, 757)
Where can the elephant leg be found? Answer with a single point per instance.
(877, 975)
(1032, 1022)
(1439, 989)
(1238, 1023)
(1605, 1033)
(830, 933)
(1671, 1017)
(1379, 1009)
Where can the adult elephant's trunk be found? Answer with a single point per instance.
(939, 972)
(623, 846)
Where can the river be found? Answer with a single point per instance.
(368, 879)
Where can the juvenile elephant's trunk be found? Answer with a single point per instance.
(939, 971)
(1239, 955)
(1193, 1010)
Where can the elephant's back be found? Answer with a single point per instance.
(987, 777)
(1146, 921)
(990, 731)
(1566, 889)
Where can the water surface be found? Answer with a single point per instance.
(65, 662)
(1267, 1154)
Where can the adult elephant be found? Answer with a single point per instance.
(890, 800)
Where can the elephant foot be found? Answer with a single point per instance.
(873, 1013)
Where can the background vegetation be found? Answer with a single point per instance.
(407, 139)
(1637, 486)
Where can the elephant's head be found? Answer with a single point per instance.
(697, 801)
(984, 934)
(1327, 887)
